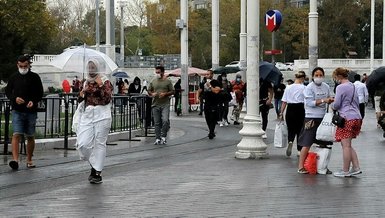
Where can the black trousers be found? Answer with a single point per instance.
(362, 110)
(211, 116)
(264, 110)
(295, 116)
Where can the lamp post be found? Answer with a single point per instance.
(122, 4)
(242, 39)
(110, 29)
(251, 145)
(97, 28)
(215, 33)
(313, 35)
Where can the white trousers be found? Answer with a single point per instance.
(91, 141)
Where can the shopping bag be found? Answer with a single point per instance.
(233, 101)
(326, 131)
(280, 135)
(311, 163)
(77, 116)
(323, 158)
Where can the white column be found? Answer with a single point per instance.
(383, 34)
(215, 33)
(184, 54)
(97, 29)
(110, 29)
(242, 39)
(252, 145)
(372, 9)
(313, 35)
(122, 4)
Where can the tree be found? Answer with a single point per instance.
(26, 29)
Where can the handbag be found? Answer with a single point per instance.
(326, 131)
(338, 120)
(280, 135)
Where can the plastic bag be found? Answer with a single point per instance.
(233, 101)
(280, 135)
(77, 116)
(311, 163)
(323, 158)
(326, 131)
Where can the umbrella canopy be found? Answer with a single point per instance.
(351, 76)
(75, 60)
(191, 71)
(227, 70)
(268, 72)
(375, 78)
(120, 74)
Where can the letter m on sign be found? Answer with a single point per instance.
(273, 20)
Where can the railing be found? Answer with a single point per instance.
(55, 116)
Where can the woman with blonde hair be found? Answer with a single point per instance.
(346, 102)
(293, 98)
(95, 121)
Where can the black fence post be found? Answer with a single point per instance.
(6, 127)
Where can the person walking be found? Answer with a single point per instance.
(266, 93)
(200, 95)
(213, 100)
(239, 88)
(346, 102)
(317, 98)
(278, 93)
(293, 99)
(95, 121)
(362, 92)
(161, 89)
(226, 98)
(177, 96)
(24, 90)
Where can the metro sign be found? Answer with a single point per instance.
(273, 20)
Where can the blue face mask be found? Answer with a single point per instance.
(238, 79)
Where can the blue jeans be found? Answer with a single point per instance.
(24, 123)
(161, 118)
(278, 105)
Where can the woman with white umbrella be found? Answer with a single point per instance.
(95, 121)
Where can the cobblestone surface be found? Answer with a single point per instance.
(195, 177)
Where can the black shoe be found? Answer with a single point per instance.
(96, 179)
(236, 123)
(211, 135)
(200, 113)
(93, 173)
(383, 134)
(14, 165)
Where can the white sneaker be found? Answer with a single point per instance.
(264, 136)
(221, 124)
(163, 141)
(289, 148)
(355, 172)
(342, 174)
(157, 142)
(226, 123)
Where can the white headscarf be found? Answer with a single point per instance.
(91, 76)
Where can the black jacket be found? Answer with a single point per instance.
(28, 87)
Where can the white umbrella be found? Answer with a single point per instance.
(75, 60)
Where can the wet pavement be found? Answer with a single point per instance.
(193, 176)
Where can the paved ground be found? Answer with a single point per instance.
(195, 177)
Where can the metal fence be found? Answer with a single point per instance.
(55, 112)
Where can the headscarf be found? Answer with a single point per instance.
(91, 76)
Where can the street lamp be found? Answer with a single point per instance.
(122, 4)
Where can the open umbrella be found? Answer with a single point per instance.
(120, 74)
(190, 71)
(268, 72)
(375, 78)
(227, 70)
(75, 60)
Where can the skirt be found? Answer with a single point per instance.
(351, 130)
(308, 133)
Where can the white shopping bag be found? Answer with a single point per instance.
(326, 131)
(323, 158)
(77, 116)
(280, 135)
(233, 101)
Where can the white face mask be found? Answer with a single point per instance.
(23, 71)
(318, 80)
(158, 75)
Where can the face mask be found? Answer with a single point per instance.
(224, 78)
(238, 80)
(318, 80)
(158, 76)
(92, 75)
(23, 71)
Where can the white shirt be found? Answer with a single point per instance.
(294, 94)
(361, 91)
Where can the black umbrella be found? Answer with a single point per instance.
(227, 70)
(375, 78)
(351, 76)
(268, 72)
